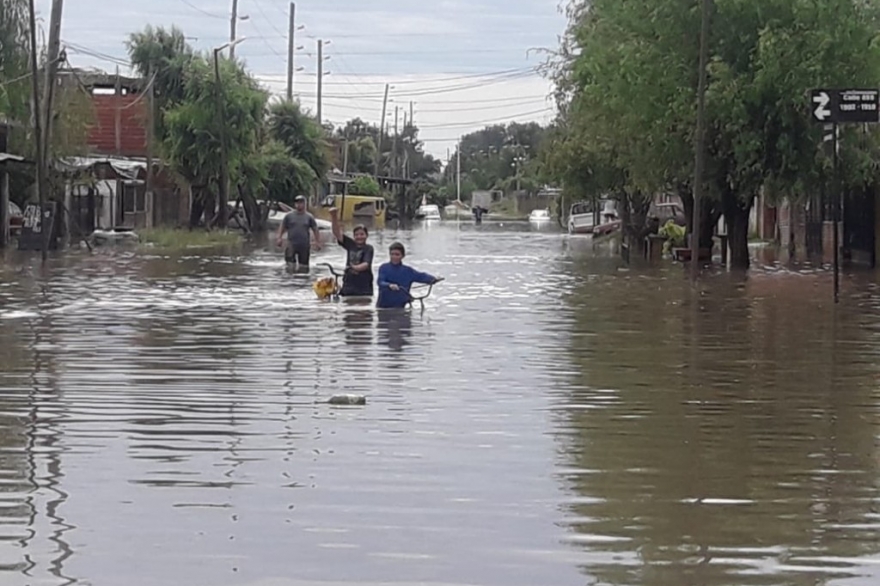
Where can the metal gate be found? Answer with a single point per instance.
(858, 226)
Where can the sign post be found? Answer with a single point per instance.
(833, 107)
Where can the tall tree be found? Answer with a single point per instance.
(304, 140)
(165, 54)
(194, 131)
(627, 75)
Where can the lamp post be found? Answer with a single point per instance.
(224, 156)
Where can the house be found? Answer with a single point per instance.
(110, 192)
(106, 188)
(120, 112)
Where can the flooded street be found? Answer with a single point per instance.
(550, 419)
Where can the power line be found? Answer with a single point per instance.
(486, 122)
(457, 76)
(264, 38)
(477, 84)
(448, 110)
(269, 20)
(202, 10)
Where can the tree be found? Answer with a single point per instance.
(193, 128)
(304, 140)
(14, 53)
(500, 157)
(167, 55)
(365, 185)
(626, 78)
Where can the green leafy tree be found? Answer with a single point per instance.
(626, 78)
(195, 126)
(14, 52)
(165, 54)
(365, 185)
(304, 140)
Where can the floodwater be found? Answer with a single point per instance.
(552, 418)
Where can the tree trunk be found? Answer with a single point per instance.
(709, 214)
(197, 208)
(251, 210)
(736, 215)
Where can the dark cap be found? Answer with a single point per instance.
(299, 198)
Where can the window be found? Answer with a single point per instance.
(134, 198)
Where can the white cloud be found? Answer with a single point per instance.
(431, 50)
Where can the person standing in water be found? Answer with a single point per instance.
(396, 279)
(358, 279)
(297, 225)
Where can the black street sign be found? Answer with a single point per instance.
(853, 106)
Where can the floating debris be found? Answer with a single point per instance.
(348, 400)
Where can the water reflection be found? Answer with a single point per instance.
(716, 437)
(395, 327)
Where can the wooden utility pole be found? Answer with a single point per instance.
(117, 111)
(148, 183)
(232, 24)
(291, 47)
(381, 130)
(320, 78)
(458, 173)
(410, 112)
(53, 57)
(700, 157)
(396, 135)
(224, 163)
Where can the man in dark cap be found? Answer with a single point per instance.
(297, 225)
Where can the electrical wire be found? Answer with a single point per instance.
(202, 10)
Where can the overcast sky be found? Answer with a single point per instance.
(464, 64)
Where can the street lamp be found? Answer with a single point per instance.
(224, 156)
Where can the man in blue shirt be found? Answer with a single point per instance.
(395, 279)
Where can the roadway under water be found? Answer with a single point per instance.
(552, 418)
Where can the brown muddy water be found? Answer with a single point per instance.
(551, 419)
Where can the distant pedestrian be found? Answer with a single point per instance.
(297, 225)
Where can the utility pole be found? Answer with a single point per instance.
(148, 183)
(291, 46)
(224, 163)
(232, 24)
(458, 173)
(836, 213)
(700, 158)
(54, 55)
(117, 112)
(320, 78)
(38, 133)
(410, 112)
(394, 148)
(381, 130)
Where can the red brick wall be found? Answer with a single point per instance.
(102, 136)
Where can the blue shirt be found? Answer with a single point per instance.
(402, 276)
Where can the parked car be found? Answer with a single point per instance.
(667, 211)
(16, 218)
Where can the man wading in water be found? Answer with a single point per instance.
(297, 225)
(358, 279)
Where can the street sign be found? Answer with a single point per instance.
(849, 106)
